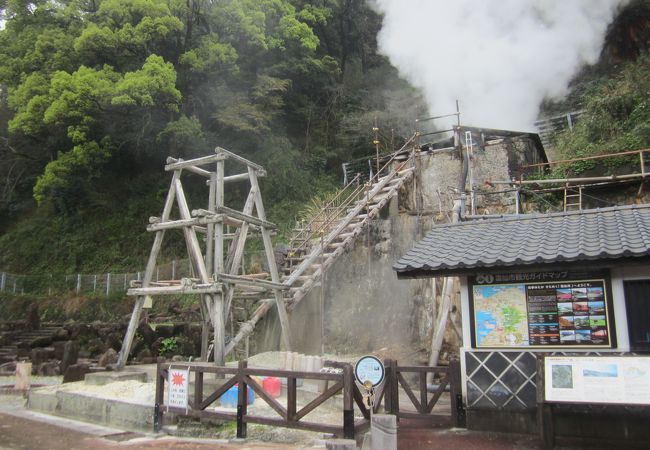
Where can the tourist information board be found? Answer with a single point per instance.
(541, 309)
(597, 379)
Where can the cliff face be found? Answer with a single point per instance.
(361, 306)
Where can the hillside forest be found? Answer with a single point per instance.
(96, 94)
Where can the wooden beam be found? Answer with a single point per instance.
(195, 221)
(196, 170)
(245, 281)
(183, 164)
(245, 217)
(231, 155)
(209, 288)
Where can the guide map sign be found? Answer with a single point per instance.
(541, 309)
(369, 368)
(597, 379)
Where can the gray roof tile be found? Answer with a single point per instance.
(610, 233)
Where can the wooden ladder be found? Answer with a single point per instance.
(572, 198)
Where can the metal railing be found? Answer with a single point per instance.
(337, 208)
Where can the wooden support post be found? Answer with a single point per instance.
(348, 402)
(148, 274)
(198, 388)
(273, 268)
(218, 322)
(242, 402)
(292, 397)
(160, 395)
(218, 227)
(458, 417)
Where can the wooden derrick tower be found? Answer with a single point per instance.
(217, 262)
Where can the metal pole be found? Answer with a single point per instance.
(108, 284)
(78, 283)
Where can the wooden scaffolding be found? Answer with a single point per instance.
(217, 263)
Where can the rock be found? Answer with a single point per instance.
(182, 328)
(165, 331)
(108, 357)
(42, 341)
(155, 347)
(58, 349)
(8, 368)
(144, 354)
(76, 372)
(146, 333)
(70, 355)
(184, 346)
(179, 358)
(114, 340)
(41, 355)
(61, 334)
(96, 347)
(48, 369)
(33, 318)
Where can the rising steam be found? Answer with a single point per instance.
(500, 58)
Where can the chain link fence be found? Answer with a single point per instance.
(99, 284)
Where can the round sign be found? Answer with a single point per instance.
(369, 368)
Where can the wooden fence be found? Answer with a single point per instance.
(290, 416)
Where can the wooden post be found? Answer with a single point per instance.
(108, 284)
(198, 388)
(78, 283)
(3, 281)
(160, 396)
(273, 268)
(292, 397)
(148, 274)
(348, 402)
(458, 417)
(242, 401)
(388, 387)
(218, 323)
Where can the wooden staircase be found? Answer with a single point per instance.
(315, 246)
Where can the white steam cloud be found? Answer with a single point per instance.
(499, 58)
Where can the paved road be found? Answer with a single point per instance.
(21, 429)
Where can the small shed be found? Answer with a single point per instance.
(560, 283)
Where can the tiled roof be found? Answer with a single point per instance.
(525, 240)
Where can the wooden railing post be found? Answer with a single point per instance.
(394, 389)
(198, 388)
(242, 401)
(388, 387)
(292, 397)
(160, 398)
(458, 418)
(348, 402)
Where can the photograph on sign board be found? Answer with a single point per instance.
(562, 376)
(581, 308)
(600, 370)
(595, 294)
(566, 322)
(565, 309)
(583, 336)
(597, 321)
(579, 294)
(581, 322)
(596, 308)
(563, 295)
(567, 335)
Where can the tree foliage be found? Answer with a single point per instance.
(95, 94)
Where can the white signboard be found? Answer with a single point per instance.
(178, 381)
(598, 379)
(369, 368)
